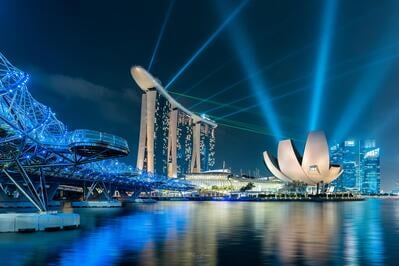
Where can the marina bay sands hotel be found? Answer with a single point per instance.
(173, 141)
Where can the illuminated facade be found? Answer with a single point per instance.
(370, 171)
(361, 164)
(351, 164)
(184, 143)
(224, 181)
(173, 141)
(207, 147)
(313, 168)
(162, 110)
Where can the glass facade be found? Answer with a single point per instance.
(161, 132)
(360, 161)
(207, 145)
(184, 140)
(370, 168)
(184, 143)
(350, 165)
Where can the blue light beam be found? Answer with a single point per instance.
(380, 61)
(207, 42)
(243, 48)
(329, 14)
(165, 21)
(370, 84)
(349, 25)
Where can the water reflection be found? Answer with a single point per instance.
(219, 233)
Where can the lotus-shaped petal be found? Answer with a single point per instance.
(312, 169)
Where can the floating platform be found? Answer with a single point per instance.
(33, 222)
(96, 204)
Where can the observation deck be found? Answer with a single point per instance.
(94, 143)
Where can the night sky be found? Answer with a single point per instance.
(79, 55)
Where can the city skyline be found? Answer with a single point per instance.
(203, 132)
(89, 75)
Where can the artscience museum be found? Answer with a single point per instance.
(312, 169)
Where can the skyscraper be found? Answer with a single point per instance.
(161, 132)
(369, 168)
(336, 157)
(173, 141)
(350, 165)
(361, 163)
(184, 143)
(207, 147)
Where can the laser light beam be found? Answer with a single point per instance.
(322, 61)
(216, 33)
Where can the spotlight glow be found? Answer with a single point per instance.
(154, 53)
(383, 60)
(322, 61)
(281, 60)
(243, 49)
(207, 42)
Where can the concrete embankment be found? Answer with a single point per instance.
(33, 222)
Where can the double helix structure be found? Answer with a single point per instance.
(37, 151)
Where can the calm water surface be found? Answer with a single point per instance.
(219, 233)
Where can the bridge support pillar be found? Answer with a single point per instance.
(34, 195)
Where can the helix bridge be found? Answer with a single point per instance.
(38, 152)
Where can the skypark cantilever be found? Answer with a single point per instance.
(147, 82)
(165, 123)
